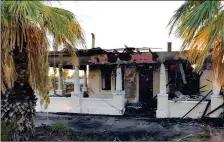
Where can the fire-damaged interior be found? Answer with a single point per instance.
(182, 78)
(106, 75)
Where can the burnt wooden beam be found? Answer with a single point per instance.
(209, 80)
(222, 105)
(206, 109)
(202, 86)
(168, 82)
(138, 51)
(126, 46)
(197, 104)
(115, 51)
(201, 74)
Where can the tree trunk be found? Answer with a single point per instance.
(18, 103)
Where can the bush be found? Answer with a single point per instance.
(7, 130)
(59, 126)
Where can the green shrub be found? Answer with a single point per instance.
(59, 126)
(7, 130)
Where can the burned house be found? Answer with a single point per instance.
(161, 80)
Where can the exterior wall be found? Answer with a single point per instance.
(94, 82)
(180, 108)
(131, 84)
(136, 99)
(105, 106)
(207, 74)
(57, 104)
(177, 109)
(156, 76)
(74, 104)
(216, 101)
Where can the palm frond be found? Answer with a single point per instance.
(200, 25)
(25, 25)
(209, 38)
(180, 12)
(63, 25)
(192, 22)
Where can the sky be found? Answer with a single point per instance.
(134, 23)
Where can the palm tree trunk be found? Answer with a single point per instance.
(18, 103)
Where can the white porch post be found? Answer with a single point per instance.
(119, 94)
(118, 79)
(113, 78)
(216, 98)
(162, 97)
(77, 82)
(216, 86)
(59, 91)
(76, 95)
(84, 88)
(162, 85)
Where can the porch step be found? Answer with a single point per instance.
(137, 105)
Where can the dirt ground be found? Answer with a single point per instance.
(110, 128)
(46, 134)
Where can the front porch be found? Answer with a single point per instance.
(112, 78)
(76, 104)
(109, 103)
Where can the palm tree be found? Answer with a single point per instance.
(201, 26)
(25, 26)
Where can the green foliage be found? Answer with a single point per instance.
(200, 25)
(7, 130)
(26, 25)
(59, 126)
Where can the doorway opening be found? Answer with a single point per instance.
(145, 85)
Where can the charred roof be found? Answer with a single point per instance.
(99, 56)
